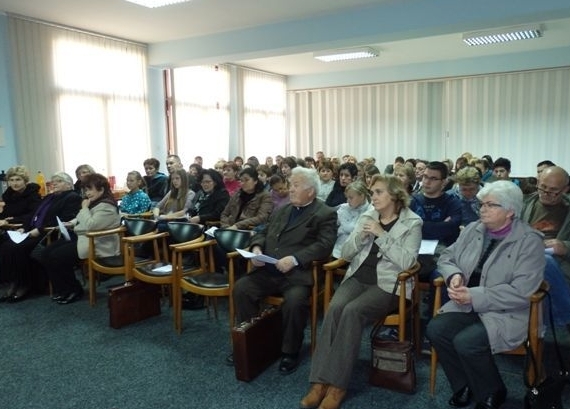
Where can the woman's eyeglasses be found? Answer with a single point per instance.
(489, 205)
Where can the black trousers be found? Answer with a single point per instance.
(16, 264)
(59, 260)
(464, 352)
(250, 290)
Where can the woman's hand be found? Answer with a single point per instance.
(460, 295)
(34, 233)
(85, 203)
(371, 228)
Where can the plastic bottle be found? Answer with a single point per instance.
(41, 180)
(3, 182)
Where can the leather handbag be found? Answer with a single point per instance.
(132, 302)
(392, 362)
(257, 344)
(548, 393)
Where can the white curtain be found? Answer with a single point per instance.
(79, 98)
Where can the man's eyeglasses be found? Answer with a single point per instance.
(489, 205)
(548, 192)
(431, 178)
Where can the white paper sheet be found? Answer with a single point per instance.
(428, 246)
(211, 230)
(63, 229)
(258, 257)
(167, 268)
(16, 236)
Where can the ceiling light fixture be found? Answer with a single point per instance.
(156, 3)
(346, 54)
(502, 35)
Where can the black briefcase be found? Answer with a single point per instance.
(257, 344)
(132, 302)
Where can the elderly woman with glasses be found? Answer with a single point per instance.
(492, 269)
(15, 260)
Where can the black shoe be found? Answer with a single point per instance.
(9, 294)
(288, 364)
(70, 298)
(191, 301)
(493, 401)
(230, 360)
(20, 295)
(461, 398)
(57, 297)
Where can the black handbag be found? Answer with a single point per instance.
(392, 363)
(548, 393)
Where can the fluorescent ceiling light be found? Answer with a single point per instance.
(502, 35)
(346, 54)
(156, 3)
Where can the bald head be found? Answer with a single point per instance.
(553, 183)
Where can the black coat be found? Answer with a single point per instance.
(21, 205)
(209, 208)
(64, 205)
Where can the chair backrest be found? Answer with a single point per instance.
(230, 240)
(136, 227)
(181, 232)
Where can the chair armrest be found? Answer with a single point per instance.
(100, 233)
(144, 237)
(333, 265)
(539, 294)
(191, 245)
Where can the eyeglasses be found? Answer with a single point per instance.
(206, 182)
(548, 193)
(431, 178)
(489, 205)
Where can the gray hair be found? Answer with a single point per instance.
(64, 177)
(506, 193)
(310, 176)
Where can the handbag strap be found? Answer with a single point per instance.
(530, 354)
(379, 324)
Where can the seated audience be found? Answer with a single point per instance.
(211, 200)
(407, 175)
(296, 235)
(347, 172)
(548, 211)
(389, 169)
(490, 271)
(238, 161)
(156, 182)
(419, 167)
(357, 202)
(502, 170)
(540, 166)
(230, 171)
(485, 168)
(326, 179)
(136, 201)
(369, 171)
(264, 173)
(279, 191)
(385, 242)
(178, 201)
(20, 199)
(98, 212)
(194, 171)
(468, 184)
(16, 262)
(287, 165)
(80, 172)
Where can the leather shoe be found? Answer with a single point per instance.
(333, 398)
(288, 364)
(70, 298)
(20, 295)
(314, 397)
(493, 401)
(57, 297)
(461, 398)
(230, 360)
(9, 294)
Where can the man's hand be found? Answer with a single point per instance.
(557, 246)
(285, 264)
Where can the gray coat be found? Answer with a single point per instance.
(103, 216)
(398, 248)
(511, 274)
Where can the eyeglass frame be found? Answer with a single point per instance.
(489, 205)
(431, 178)
(549, 193)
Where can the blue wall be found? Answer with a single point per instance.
(8, 155)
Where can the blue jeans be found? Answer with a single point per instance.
(559, 293)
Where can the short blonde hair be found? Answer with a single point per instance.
(20, 171)
(396, 189)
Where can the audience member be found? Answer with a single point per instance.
(98, 212)
(80, 172)
(385, 242)
(326, 179)
(230, 172)
(548, 211)
(178, 201)
(490, 271)
(156, 182)
(264, 173)
(211, 200)
(502, 170)
(347, 172)
(296, 235)
(407, 175)
(389, 170)
(136, 201)
(420, 167)
(198, 160)
(485, 168)
(15, 261)
(357, 202)
(238, 160)
(173, 163)
(20, 199)
(287, 165)
(468, 184)
(279, 191)
(540, 166)
(369, 171)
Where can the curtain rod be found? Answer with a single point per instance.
(75, 29)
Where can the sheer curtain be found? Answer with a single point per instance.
(79, 98)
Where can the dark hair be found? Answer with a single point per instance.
(502, 163)
(249, 171)
(351, 167)
(179, 195)
(462, 161)
(488, 158)
(545, 163)
(264, 169)
(155, 163)
(99, 182)
(289, 161)
(253, 161)
(440, 167)
(370, 170)
(411, 160)
(231, 165)
(197, 166)
(399, 159)
(215, 176)
(277, 178)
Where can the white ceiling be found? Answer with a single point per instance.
(210, 17)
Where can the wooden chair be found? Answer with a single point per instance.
(316, 291)
(535, 335)
(406, 308)
(208, 283)
(117, 265)
(179, 233)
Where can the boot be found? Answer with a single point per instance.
(333, 398)
(314, 397)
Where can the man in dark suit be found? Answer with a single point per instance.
(297, 234)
